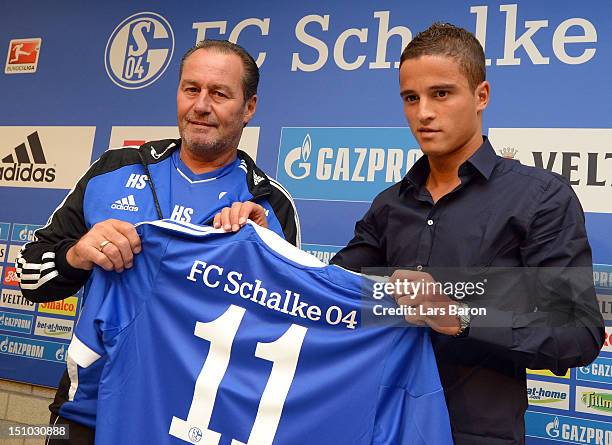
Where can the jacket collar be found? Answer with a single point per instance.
(257, 181)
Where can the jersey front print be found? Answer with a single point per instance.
(242, 339)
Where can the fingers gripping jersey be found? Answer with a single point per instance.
(215, 338)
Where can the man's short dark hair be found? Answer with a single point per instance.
(250, 80)
(445, 39)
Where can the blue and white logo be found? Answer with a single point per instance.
(344, 164)
(567, 429)
(24, 232)
(139, 50)
(599, 371)
(195, 434)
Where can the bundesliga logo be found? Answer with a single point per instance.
(22, 56)
(23, 166)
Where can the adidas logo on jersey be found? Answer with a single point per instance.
(128, 204)
(257, 179)
(24, 166)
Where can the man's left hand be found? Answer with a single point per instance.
(234, 217)
(430, 307)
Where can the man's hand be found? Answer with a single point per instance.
(110, 244)
(430, 308)
(234, 217)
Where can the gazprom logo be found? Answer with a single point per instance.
(139, 50)
(344, 164)
(299, 156)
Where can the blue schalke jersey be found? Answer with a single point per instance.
(215, 338)
(184, 196)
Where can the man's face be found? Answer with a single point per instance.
(443, 111)
(210, 103)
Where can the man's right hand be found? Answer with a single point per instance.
(110, 244)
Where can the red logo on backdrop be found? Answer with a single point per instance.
(10, 277)
(607, 347)
(133, 142)
(22, 56)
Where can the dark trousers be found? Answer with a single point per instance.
(79, 434)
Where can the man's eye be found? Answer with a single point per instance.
(191, 90)
(441, 93)
(220, 94)
(411, 98)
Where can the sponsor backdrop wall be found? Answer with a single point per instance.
(80, 77)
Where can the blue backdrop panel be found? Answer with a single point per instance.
(81, 76)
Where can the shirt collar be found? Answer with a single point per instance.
(483, 160)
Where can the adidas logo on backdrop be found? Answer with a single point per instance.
(23, 166)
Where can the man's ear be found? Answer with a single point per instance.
(249, 109)
(482, 95)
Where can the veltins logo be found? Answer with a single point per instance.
(22, 56)
(568, 429)
(124, 136)
(347, 164)
(605, 305)
(594, 401)
(39, 157)
(13, 299)
(139, 50)
(548, 394)
(583, 156)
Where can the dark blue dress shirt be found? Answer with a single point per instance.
(523, 228)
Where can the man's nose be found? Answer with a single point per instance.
(425, 111)
(203, 103)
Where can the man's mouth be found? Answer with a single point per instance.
(200, 123)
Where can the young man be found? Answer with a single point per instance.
(461, 206)
(190, 179)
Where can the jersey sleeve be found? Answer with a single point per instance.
(42, 270)
(114, 301)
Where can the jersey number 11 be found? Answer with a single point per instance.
(283, 353)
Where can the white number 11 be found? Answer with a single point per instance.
(283, 353)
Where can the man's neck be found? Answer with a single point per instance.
(199, 165)
(444, 170)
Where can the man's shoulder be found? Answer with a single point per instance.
(117, 157)
(389, 194)
(532, 177)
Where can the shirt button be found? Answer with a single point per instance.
(419, 268)
(430, 222)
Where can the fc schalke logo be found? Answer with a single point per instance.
(195, 434)
(139, 50)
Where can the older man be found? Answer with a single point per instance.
(189, 179)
